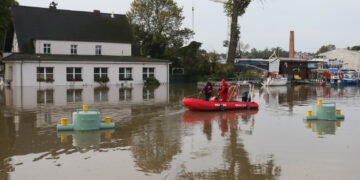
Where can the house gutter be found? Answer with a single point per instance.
(21, 81)
(21, 73)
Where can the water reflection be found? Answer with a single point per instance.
(154, 143)
(290, 96)
(101, 94)
(225, 120)
(157, 137)
(125, 94)
(237, 162)
(323, 127)
(74, 95)
(27, 126)
(31, 97)
(85, 140)
(45, 96)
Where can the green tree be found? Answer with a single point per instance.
(326, 48)
(355, 48)
(266, 53)
(157, 26)
(234, 9)
(193, 60)
(5, 19)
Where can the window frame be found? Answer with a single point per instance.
(47, 48)
(47, 74)
(101, 74)
(73, 73)
(73, 49)
(98, 50)
(126, 75)
(146, 72)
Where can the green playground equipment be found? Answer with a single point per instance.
(324, 111)
(85, 119)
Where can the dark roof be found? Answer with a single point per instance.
(33, 23)
(74, 58)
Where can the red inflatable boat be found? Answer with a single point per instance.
(201, 105)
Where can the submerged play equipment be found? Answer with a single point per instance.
(85, 119)
(324, 111)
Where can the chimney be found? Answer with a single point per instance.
(292, 45)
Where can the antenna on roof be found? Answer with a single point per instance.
(53, 5)
(193, 16)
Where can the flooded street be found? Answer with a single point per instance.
(157, 138)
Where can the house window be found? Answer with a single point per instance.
(148, 72)
(73, 74)
(125, 94)
(125, 73)
(74, 95)
(98, 50)
(45, 96)
(100, 73)
(45, 74)
(47, 48)
(73, 49)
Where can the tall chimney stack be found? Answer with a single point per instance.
(292, 45)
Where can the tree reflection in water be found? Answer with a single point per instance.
(237, 161)
(154, 140)
(7, 137)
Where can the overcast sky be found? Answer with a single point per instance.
(266, 24)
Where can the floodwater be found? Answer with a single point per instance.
(157, 138)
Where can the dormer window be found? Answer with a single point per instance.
(47, 48)
(73, 49)
(98, 50)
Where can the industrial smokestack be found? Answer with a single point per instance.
(292, 45)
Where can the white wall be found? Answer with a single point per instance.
(28, 77)
(351, 58)
(84, 48)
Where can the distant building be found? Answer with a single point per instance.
(61, 47)
(350, 59)
(294, 66)
(288, 66)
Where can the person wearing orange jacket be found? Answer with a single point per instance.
(224, 90)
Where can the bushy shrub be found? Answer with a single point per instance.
(102, 80)
(151, 82)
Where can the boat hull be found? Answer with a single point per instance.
(201, 105)
(350, 81)
(276, 82)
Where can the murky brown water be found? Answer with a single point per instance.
(156, 138)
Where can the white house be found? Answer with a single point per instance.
(349, 58)
(61, 47)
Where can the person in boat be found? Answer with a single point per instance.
(246, 97)
(223, 90)
(208, 90)
(327, 76)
